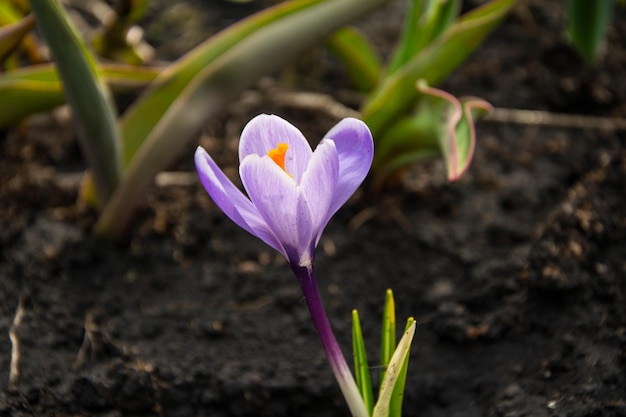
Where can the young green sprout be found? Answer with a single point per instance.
(394, 361)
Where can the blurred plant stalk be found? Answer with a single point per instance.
(87, 94)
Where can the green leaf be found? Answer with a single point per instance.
(453, 120)
(440, 15)
(87, 95)
(440, 124)
(395, 403)
(474, 109)
(388, 333)
(22, 98)
(361, 367)
(411, 40)
(167, 118)
(425, 21)
(37, 88)
(125, 78)
(394, 97)
(587, 24)
(394, 373)
(357, 56)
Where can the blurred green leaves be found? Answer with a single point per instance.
(586, 25)
(124, 155)
(434, 41)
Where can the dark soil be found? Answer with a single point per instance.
(515, 274)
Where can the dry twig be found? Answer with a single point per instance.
(14, 371)
(90, 342)
(550, 119)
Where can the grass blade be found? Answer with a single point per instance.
(388, 333)
(361, 367)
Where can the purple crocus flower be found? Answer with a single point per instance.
(292, 192)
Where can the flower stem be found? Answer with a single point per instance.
(338, 364)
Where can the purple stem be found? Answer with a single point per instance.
(338, 364)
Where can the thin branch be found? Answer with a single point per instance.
(544, 118)
(311, 101)
(327, 104)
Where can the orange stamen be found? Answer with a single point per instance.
(278, 155)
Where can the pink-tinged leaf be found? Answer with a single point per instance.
(474, 109)
(456, 133)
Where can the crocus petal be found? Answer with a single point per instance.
(265, 132)
(231, 200)
(355, 150)
(318, 184)
(280, 202)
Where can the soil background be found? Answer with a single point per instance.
(515, 273)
